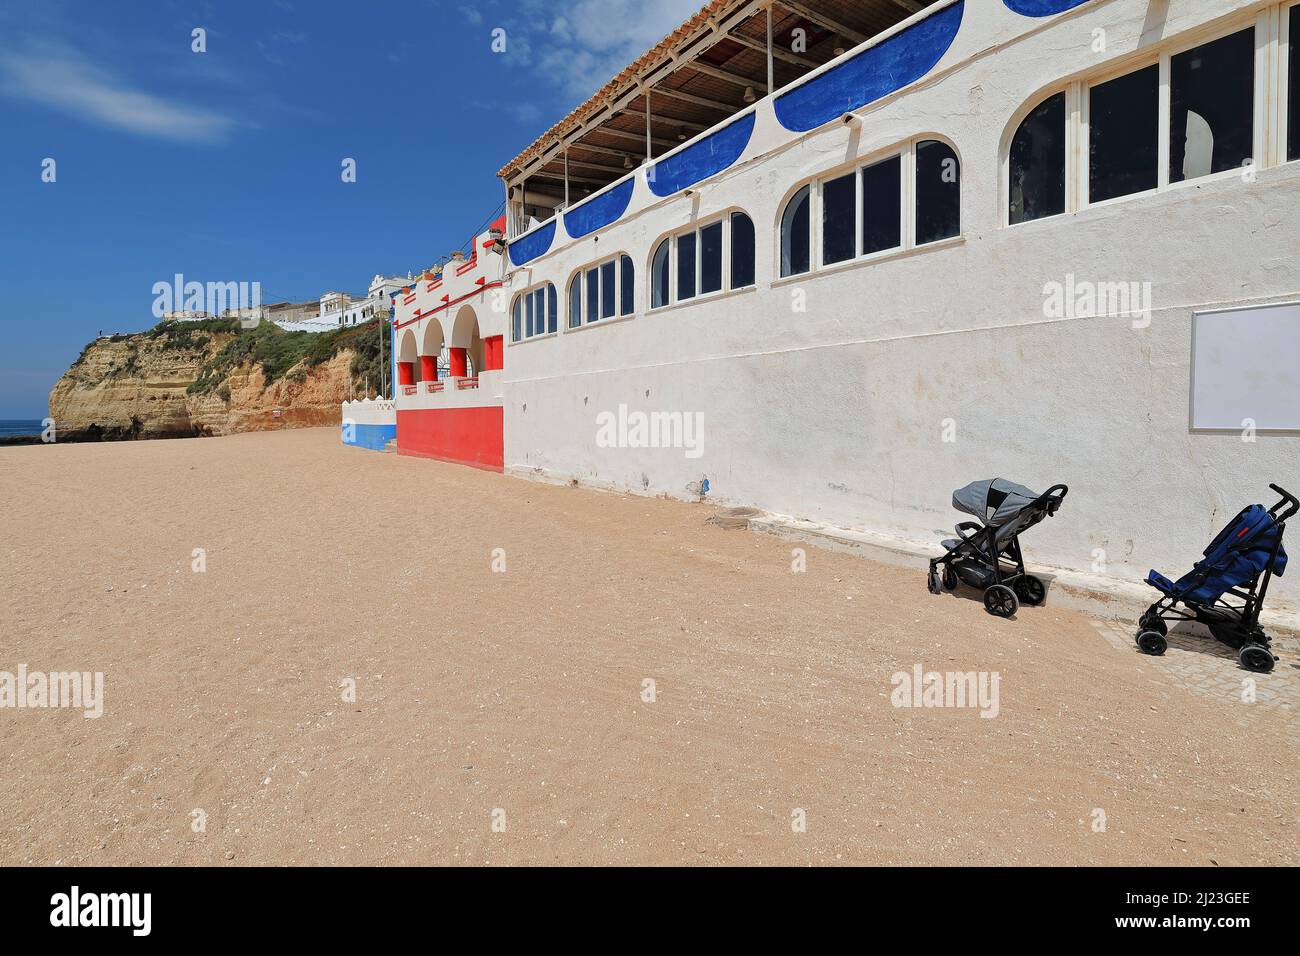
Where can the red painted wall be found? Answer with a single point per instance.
(468, 436)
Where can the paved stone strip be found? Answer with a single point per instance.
(1206, 667)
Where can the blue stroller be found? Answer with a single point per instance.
(1225, 591)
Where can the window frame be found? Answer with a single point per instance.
(723, 218)
(905, 153)
(524, 300)
(1270, 87)
(579, 276)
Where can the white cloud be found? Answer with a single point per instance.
(586, 47)
(61, 79)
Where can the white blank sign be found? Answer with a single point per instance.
(1246, 368)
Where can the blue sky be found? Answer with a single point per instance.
(225, 165)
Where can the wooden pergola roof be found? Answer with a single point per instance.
(708, 69)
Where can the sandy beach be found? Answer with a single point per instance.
(501, 716)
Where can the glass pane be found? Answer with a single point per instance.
(882, 210)
(686, 266)
(1123, 131)
(626, 286)
(839, 219)
(607, 289)
(575, 302)
(1293, 89)
(593, 295)
(516, 324)
(711, 258)
(742, 250)
(528, 308)
(1212, 107)
(938, 192)
(659, 285)
(795, 242)
(552, 308)
(1038, 162)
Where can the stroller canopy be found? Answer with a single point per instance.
(995, 501)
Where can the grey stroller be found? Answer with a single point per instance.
(986, 554)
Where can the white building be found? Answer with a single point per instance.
(982, 241)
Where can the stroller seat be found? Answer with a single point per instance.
(1225, 589)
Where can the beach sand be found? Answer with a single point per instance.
(516, 697)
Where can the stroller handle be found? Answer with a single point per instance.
(1293, 505)
(1052, 499)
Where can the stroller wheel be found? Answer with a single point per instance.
(1031, 590)
(932, 581)
(1257, 658)
(949, 577)
(1001, 601)
(1152, 642)
(1153, 622)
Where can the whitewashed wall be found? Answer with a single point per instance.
(836, 414)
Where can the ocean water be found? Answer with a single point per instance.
(20, 427)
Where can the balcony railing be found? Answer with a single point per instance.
(467, 382)
(409, 389)
(433, 386)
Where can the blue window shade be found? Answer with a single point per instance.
(598, 211)
(527, 248)
(1042, 8)
(701, 159)
(865, 77)
(627, 286)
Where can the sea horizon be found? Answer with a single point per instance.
(20, 427)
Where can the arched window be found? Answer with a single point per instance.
(796, 241)
(1037, 162)
(938, 192)
(534, 312)
(659, 289)
(742, 250)
(601, 291)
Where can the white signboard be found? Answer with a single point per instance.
(1246, 368)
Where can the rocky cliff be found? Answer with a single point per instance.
(181, 380)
